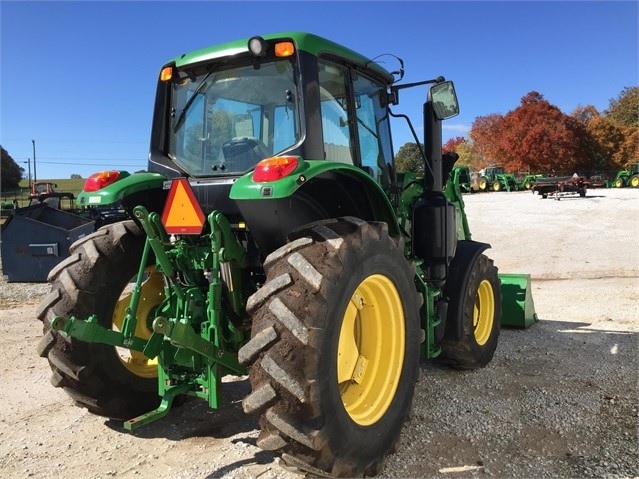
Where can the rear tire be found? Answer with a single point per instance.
(90, 281)
(478, 294)
(634, 181)
(335, 349)
(483, 184)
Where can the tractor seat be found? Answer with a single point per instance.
(241, 154)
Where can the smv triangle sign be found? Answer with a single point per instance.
(182, 213)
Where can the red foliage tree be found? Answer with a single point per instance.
(453, 143)
(536, 136)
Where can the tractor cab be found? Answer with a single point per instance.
(252, 124)
(218, 115)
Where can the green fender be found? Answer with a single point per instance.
(126, 186)
(315, 190)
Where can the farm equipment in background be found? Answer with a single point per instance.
(272, 237)
(628, 177)
(494, 178)
(527, 182)
(461, 176)
(558, 186)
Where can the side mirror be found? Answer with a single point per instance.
(444, 100)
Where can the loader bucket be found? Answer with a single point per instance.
(518, 307)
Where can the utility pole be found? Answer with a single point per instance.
(29, 161)
(35, 175)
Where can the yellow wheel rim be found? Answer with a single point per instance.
(484, 312)
(370, 353)
(151, 294)
(634, 182)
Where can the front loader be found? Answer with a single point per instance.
(272, 237)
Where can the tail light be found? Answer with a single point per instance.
(274, 168)
(100, 180)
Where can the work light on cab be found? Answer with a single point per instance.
(275, 168)
(166, 74)
(258, 47)
(97, 181)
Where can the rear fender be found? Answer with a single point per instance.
(316, 190)
(137, 189)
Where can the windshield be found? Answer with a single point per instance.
(223, 121)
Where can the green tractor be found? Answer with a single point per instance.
(494, 178)
(527, 182)
(271, 238)
(460, 174)
(628, 177)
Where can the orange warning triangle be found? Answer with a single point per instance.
(182, 213)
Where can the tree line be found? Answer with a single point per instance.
(537, 137)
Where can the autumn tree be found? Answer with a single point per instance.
(10, 172)
(409, 158)
(623, 112)
(536, 136)
(483, 133)
(612, 141)
(453, 144)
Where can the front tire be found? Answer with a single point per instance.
(94, 279)
(335, 349)
(474, 293)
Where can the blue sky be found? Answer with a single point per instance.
(79, 78)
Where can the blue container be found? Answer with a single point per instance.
(36, 238)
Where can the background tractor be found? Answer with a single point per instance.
(494, 178)
(271, 237)
(527, 182)
(628, 177)
(460, 174)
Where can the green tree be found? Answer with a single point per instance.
(10, 172)
(624, 110)
(409, 158)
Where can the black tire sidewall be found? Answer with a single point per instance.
(485, 271)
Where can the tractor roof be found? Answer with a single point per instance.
(307, 42)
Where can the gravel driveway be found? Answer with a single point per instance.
(559, 399)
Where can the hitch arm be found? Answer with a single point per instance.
(91, 332)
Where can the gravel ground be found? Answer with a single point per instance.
(558, 400)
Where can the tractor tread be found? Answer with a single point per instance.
(283, 378)
(286, 426)
(289, 320)
(266, 291)
(45, 344)
(260, 398)
(256, 345)
(270, 441)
